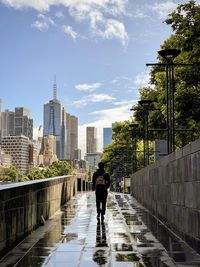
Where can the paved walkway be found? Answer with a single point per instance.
(75, 238)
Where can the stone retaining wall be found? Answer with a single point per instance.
(23, 205)
(170, 189)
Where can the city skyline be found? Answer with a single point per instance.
(98, 51)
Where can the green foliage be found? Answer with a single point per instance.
(50, 172)
(24, 178)
(61, 168)
(58, 168)
(185, 22)
(11, 174)
(119, 156)
(35, 173)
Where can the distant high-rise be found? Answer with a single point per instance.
(107, 136)
(91, 140)
(68, 125)
(23, 122)
(17, 123)
(7, 123)
(77, 154)
(73, 135)
(55, 124)
(18, 148)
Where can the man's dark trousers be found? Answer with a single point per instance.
(101, 198)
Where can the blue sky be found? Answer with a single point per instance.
(98, 50)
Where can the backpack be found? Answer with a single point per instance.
(100, 182)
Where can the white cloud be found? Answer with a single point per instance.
(114, 30)
(93, 98)
(163, 9)
(96, 12)
(142, 79)
(139, 14)
(88, 87)
(68, 30)
(43, 22)
(124, 103)
(78, 8)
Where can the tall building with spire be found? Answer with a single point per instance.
(62, 125)
(55, 123)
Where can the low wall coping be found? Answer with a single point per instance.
(27, 183)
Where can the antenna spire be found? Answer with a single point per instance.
(54, 89)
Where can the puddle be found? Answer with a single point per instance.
(129, 237)
(176, 248)
(122, 247)
(132, 257)
(100, 257)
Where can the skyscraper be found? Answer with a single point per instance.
(18, 148)
(91, 140)
(55, 124)
(73, 135)
(107, 136)
(62, 125)
(7, 123)
(17, 123)
(23, 122)
(77, 154)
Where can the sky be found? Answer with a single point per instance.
(97, 49)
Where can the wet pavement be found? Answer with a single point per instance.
(129, 236)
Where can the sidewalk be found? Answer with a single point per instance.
(74, 238)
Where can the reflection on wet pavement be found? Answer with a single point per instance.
(129, 236)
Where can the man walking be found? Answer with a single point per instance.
(101, 183)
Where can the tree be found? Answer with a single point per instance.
(61, 167)
(118, 156)
(35, 173)
(11, 174)
(185, 22)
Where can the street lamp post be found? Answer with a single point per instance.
(169, 55)
(146, 104)
(134, 146)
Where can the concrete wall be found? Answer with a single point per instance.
(23, 204)
(170, 189)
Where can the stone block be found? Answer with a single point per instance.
(179, 172)
(193, 223)
(198, 222)
(187, 150)
(178, 217)
(190, 197)
(171, 157)
(195, 161)
(197, 194)
(2, 226)
(179, 153)
(195, 146)
(170, 214)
